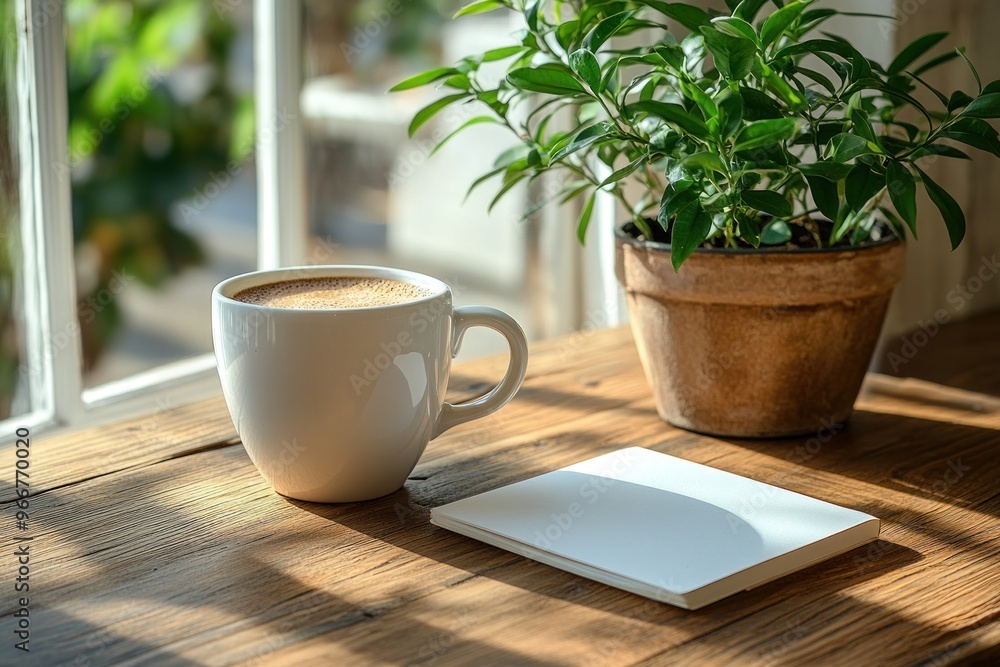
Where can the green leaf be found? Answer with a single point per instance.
(588, 211)
(509, 182)
(859, 64)
(690, 229)
(819, 78)
(872, 82)
(899, 81)
(693, 47)
(777, 85)
(676, 196)
(976, 133)
(585, 64)
(472, 121)
(580, 140)
(919, 47)
(459, 82)
(826, 195)
(767, 201)
(987, 106)
(566, 34)
(485, 177)
(730, 114)
(869, 15)
(604, 30)
(972, 68)
(574, 190)
(531, 15)
(540, 80)
(501, 53)
(862, 230)
(845, 147)
(733, 55)
(898, 226)
(479, 7)
(817, 16)
(424, 78)
(823, 133)
(764, 133)
(624, 171)
(862, 184)
(609, 82)
(831, 171)
(701, 98)
(690, 17)
(491, 98)
(749, 229)
(936, 62)
(672, 113)
(993, 87)
(747, 10)
(951, 212)
(941, 149)
(705, 162)
(776, 24)
(512, 155)
(776, 232)
(902, 189)
(862, 124)
(433, 109)
(735, 27)
(758, 105)
(958, 100)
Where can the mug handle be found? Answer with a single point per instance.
(467, 317)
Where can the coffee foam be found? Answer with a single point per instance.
(346, 292)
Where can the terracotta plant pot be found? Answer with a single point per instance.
(759, 343)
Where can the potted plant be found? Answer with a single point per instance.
(757, 158)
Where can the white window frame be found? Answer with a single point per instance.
(52, 336)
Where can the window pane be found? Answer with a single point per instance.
(160, 144)
(376, 197)
(14, 398)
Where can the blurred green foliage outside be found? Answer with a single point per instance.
(152, 113)
(9, 205)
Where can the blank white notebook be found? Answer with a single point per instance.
(660, 526)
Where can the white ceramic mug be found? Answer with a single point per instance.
(337, 405)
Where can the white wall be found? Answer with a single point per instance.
(873, 37)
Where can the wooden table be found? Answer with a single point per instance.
(156, 542)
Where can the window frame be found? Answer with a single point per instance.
(54, 377)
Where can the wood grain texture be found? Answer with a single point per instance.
(950, 354)
(174, 551)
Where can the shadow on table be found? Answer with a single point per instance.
(962, 354)
(939, 461)
(232, 595)
(96, 646)
(837, 629)
(466, 388)
(398, 520)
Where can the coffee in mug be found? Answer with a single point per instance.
(346, 292)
